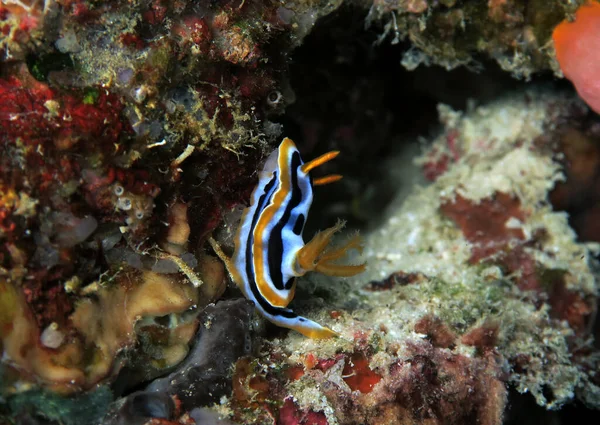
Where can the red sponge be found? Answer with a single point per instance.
(577, 46)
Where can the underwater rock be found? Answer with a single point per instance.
(203, 377)
(143, 407)
(129, 128)
(96, 123)
(208, 417)
(496, 192)
(71, 231)
(454, 33)
(578, 194)
(140, 407)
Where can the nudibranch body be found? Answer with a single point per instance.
(270, 252)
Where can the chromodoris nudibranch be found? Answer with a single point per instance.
(270, 252)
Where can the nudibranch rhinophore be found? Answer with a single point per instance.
(270, 252)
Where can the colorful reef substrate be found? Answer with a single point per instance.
(133, 134)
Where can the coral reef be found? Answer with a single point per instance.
(131, 131)
(516, 34)
(478, 286)
(96, 344)
(123, 127)
(509, 233)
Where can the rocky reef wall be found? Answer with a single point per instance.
(133, 131)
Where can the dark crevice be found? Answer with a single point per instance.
(353, 95)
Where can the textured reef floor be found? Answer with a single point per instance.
(475, 285)
(132, 131)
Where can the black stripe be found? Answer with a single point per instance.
(290, 282)
(299, 226)
(250, 275)
(275, 251)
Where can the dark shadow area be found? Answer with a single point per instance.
(522, 410)
(353, 95)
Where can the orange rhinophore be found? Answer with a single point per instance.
(577, 47)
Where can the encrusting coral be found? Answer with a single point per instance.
(104, 327)
(104, 105)
(515, 34)
(504, 231)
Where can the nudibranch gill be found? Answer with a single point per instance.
(270, 252)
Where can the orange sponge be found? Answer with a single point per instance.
(577, 47)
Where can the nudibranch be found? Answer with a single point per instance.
(270, 252)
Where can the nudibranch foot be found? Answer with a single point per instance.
(286, 318)
(315, 256)
(283, 317)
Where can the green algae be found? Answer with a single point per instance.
(85, 409)
(41, 65)
(464, 304)
(90, 96)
